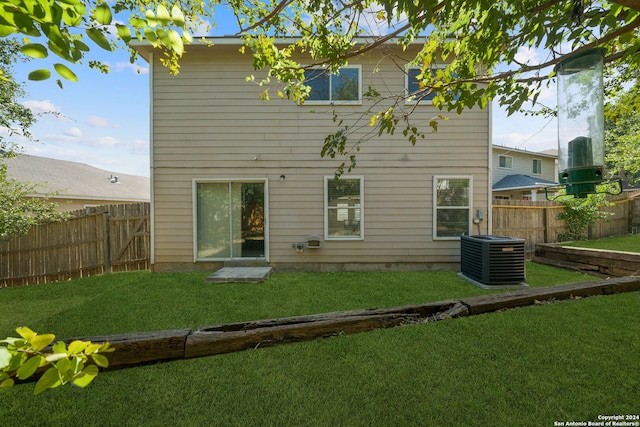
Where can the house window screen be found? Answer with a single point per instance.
(452, 207)
(343, 208)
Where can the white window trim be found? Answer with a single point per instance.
(194, 201)
(326, 209)
(435, 202)
(341, 102)
(506, 157)
(532, 162)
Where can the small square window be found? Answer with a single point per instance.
(505, 162)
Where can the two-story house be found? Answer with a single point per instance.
(522, 175)
(239, 179)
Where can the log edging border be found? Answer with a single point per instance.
(161, 346)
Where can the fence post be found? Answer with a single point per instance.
(107, 242)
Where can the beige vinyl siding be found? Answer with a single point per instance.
(208, 123)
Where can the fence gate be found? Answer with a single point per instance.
(127, 238)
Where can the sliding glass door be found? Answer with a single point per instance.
(230, 220)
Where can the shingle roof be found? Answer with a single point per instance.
(78, 180)
(521, 181)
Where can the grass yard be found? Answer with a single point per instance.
(570, 361)
(628, 243)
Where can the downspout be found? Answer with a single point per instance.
(490, 172)
(151, 147)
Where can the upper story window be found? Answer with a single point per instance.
(505, 162)
(326, 88)
(343, 208)
(412, 85)
(537, 166)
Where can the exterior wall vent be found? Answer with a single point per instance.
(493, 261)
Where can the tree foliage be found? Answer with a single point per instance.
(19, 211)
(580, 214)
(481, 42)
(622, 123)
(23, 357)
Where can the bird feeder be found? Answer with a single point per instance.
(581, 122)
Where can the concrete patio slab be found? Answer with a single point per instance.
(240, 275)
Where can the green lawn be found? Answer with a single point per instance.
(570, 361)
(629, 243)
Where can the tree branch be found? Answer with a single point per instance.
(279, 7)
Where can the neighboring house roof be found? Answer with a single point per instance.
(546, 153)
(78, 180)
(519, 181)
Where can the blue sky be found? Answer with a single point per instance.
(103, 120)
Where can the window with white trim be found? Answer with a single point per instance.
(413, 89)
(505, 162)
(452, 206)
(537, 166)
(326, 88)
(343, 204)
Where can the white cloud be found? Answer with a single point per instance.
(527, 55)
(73, 132)
(97, 122)
(135, 68)
(44, 106)
(107, 141)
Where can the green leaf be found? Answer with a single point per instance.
(7, 383)
(151, 18)
(6, 30)
(77, 346)
(25, 332)
(29, 368)
(41, 341)
(65, 72)
(150, 35)
(103, 14)
(177, 16)
(124, 32)
(26, 26)
(87, 375)
(35, 50)
(163, 15)
(5, 357)
(100, 360)
(99, 38)
(50, 379)
(175, 42)
(63, 366)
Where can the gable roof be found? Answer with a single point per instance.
(519, 181)
(78, 180)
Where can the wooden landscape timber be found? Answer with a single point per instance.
(152, 347)
(594, 261)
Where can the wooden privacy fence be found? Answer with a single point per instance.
(537, 222)
(93, 241)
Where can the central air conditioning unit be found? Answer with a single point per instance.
(493, 261)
